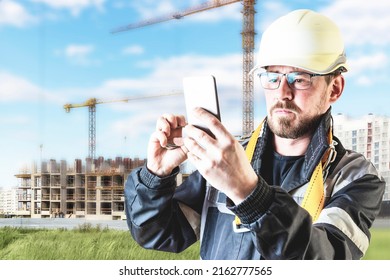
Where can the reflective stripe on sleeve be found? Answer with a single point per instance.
(341, 220)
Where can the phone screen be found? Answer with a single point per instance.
(201, 91)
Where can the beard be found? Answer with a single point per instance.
(285, 127)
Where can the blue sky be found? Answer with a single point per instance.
(54, 52)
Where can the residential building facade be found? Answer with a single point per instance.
(370, 136)
(93, 190)
(8, 202)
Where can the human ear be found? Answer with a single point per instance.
(337, 87)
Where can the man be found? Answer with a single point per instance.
(294, 193)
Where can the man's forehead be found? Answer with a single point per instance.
(283, 69)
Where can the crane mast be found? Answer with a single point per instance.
(248, 46)
(92, 132)
(248, 34)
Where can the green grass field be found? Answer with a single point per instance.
(380, 245)
(96, 243)
(83, 243)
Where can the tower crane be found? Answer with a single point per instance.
(91, 104)
(248, 34)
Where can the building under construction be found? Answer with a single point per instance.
(92, 190)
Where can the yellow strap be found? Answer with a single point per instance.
(313, 200)
(250, 150)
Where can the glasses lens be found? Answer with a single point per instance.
(269, 80)
(296, 80)
(299, 80)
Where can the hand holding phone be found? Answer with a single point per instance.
(201, 91)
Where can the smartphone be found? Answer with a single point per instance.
(201, 91)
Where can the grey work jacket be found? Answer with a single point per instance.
(167, 217)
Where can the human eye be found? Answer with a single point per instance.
(272, 78)
(299, 78)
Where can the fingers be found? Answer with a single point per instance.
(161, 138)
(201, 144)
(167, 122)
(199, 136)
(206, 151)
(194, 149)
(211, 122)
(168, 127)
(195, 160)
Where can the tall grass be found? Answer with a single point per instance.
(83, 243)
(96, 243)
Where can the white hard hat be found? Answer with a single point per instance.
(303, 39)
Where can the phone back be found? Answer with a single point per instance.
(200, 91)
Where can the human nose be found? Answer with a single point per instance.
(284, 90)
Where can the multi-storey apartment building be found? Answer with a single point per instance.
(370, 136)
(93, 190)
(8, 202)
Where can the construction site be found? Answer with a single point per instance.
(93, 189)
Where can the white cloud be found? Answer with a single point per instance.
(364, 81)
(361, 21)
(226, 68)
(166, 77)
(14, 88)
(80, 54)
(272, 10)
(133, 50)
(368, 62)
(144, 122)
(15, 120)
(369, 69)
(167, 73)
(78, 50)
(74, 6)
(14, 14)
(151, 9)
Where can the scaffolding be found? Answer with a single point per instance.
(94, 190)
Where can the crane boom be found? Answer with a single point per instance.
(195, 9)
(93, 101)
(91, 104)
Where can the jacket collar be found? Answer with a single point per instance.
(314, 153)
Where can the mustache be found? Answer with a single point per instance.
(286, 105)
